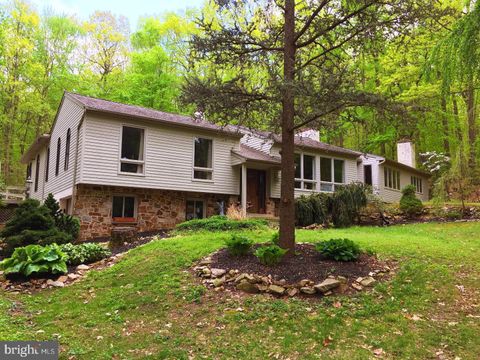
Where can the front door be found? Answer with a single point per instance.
(256, 191)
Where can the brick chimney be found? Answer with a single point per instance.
(406, 153)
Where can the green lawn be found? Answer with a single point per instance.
(148, 304)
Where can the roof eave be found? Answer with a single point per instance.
(39, 143)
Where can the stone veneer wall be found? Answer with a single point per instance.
(156, 209)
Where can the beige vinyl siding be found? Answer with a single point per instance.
(350, 172)
(392, 195)
(168, 157)
(69, 117)
(39, 194)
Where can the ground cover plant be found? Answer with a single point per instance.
(84, 253)
(221, 223)
(150, 306)
(339, 249)
(35, 259)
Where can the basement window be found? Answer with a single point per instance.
(132, 152)
(123, 208)
(195, 209)
(202, 163)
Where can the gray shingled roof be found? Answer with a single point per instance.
(249, 153)
(308, 143)
(106, 106)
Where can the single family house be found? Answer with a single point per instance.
(113, 164)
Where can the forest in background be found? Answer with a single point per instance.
(433, 72)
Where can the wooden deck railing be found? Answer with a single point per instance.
(13, 194)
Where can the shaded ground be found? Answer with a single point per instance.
(306, 264)
(149, 306)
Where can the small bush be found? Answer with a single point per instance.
(270, 255)
(453, 214)
(409, 203)
(32, 223)
(339, 249)
(35, 259)
(238, 245)
(221, 223)
(84, 253)
(276, 238)
(312, 209)
(234, 212)
(63, 222)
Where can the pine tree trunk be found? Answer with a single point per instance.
(287, 203)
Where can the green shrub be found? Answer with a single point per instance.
(339, 249)
(221, 223)
(453, 214)
(63, 222)
(32, 223)
(346, 203)
(238, 245)
(312, 209)
(35, 259)
(270, 254)
(341, 207)
(84, 253)
(409, 203)
(275, 238)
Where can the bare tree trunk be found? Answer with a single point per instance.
(469, 97)
(287, 204)
(458, 129)
(446, 142)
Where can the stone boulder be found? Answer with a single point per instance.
(121, 235)
(327, 285)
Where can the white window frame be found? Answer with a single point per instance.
(197, 168)
(130, 161)
(302, 179)
(333, 182)
(396, 178)
(418, 183)
(135, 206)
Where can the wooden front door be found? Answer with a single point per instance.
(256, 191)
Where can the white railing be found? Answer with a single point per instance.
(13, 193)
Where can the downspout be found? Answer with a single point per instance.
(74, 187)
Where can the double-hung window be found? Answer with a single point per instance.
(332, 173)
(123, 208)
(132, 152)
(417, 182)
(391, 178)
(305, 172)
(203, 162)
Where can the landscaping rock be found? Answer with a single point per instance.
(62, 278)
(326, 285)
(305, 282)
(205, 261)
(342, 279)
(55, 283)
(277, 290)
(359, 280)
(357, 286)
(206, 272)
(247, 287)
(218, 272)
(292, 291)
(307, 290)
(218, 281)
(73, 276)
(83, 267)
(368, 281)
(262, 287)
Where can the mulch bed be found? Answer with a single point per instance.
(306, 264)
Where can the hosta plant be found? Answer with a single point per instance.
(270, 254)
(339, 249)
(35, 259)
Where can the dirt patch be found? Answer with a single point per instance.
(306, 264)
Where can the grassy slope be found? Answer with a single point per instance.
(148, 304)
